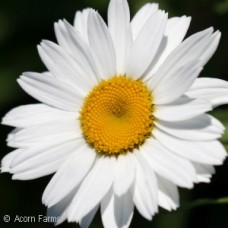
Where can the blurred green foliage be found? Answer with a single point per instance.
(23, 24)
(222, 7)
(222, 115)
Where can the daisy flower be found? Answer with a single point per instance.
(122, 120)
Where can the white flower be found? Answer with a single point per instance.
(122, 120)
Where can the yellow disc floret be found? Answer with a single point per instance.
(117, 115)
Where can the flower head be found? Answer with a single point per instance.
(123, 118)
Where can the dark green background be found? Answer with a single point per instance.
(23, 24)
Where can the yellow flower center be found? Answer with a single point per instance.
(117, 115)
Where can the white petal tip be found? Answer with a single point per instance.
(4, 169)
(5, 119)
(15, 177)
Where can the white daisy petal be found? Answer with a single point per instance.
(175, 31)
(123, 210)
(143, 195)
(41, 155)
(101, 45)
(36, 114)
(71, 41)
(63, 66)
(207, 54)
(107, 210)
(51, 133)
(81, 22)
(146, 45)
(60, 210)
(168, 194)
(6, 161)
(39, 171)
(204, 172)
(117, 211)
(168, 165)
(151, 181)
(119, 26)
(125, 167)
(190, 54)
(176, 82)
(51, 91)
(201, 128)
(203, 83)
(206, 152)
(140, 203)
(69, 175)
(212, 89)
(182, 109)
(195, 47)
(10, 137)
(86, 220)
(90, 190)
(33, 163)
(141, 17)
